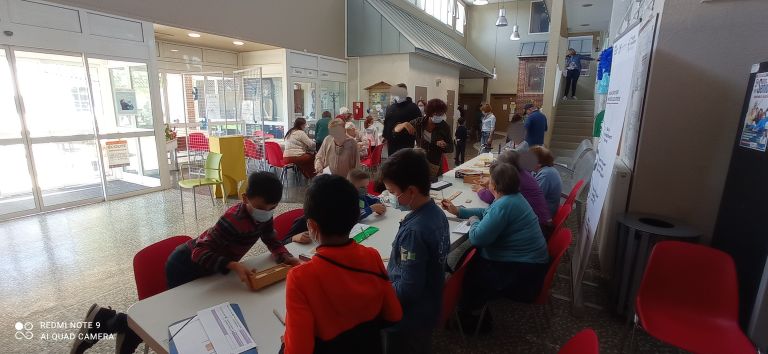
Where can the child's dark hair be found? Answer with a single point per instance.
(407, 167)
(461, 121)
(264, 185)
(332, 202)
(357, 175)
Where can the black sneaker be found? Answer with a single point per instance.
(127, 342)
(96, 318)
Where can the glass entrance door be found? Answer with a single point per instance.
(59, 121)
(17, 191)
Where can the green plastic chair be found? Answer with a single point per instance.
(212, 178)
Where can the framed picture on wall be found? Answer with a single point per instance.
(125, 102)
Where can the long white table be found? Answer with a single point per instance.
(150, 317)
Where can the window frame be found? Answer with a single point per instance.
(530, 17)
(456, 18)
(448, 6)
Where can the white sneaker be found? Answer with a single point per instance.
(574, 98)
(565, 98)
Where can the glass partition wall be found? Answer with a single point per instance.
(75, 130)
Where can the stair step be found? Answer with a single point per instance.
(575, 110)
(577, 102)
(575, 132)
(572, 125)
(559, 145)
(561, 152)
(574, 119)
(568, 138)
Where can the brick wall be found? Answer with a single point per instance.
(522, 97)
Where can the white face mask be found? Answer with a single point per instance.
(261, 215)
(438, 119)
(421, 108)
(396, 99)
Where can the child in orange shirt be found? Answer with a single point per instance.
(339, 301)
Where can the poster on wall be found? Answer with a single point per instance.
(623, 69)
(754, 134)
(117, 153)
(631, 132)
(125, 102)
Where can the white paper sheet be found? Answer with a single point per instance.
(461, 228)
(190, 338)
(225, 330)
(327, 171)
(358, 228)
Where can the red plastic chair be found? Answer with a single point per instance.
(149, 266)
(283, 222)
(444, 164)
(275, 159)
(584, 342)
(562, 214)
(374, 158)
(558, 244)
(198, 142)
(253, 151)
(689, 298)
(372, 188)
(452, 292)
(574, 192)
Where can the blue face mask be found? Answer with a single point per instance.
(401, 206)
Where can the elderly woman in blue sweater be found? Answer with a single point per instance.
(513, 259)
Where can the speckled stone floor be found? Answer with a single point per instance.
(54, 266)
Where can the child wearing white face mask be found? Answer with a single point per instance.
(217, 250)
(433, 134)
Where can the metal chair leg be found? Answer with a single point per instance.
(461, 328)
(194, 201)
(181, 195)
(480, 321)
(210, 191)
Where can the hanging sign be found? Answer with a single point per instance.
(117, 153)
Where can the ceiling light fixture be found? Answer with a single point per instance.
(174, 50)
(238, 43)
(515, 29)
(480, 2)
(193, 35)
(502, 20)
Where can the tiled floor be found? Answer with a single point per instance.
(53, 266)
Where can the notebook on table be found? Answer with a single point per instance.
(188, 336)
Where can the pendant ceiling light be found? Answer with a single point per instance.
(515, 29)
(502, 20)
(480, 2)
(495, 46)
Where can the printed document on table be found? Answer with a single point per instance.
(225, 330)
(461, 228)
(190, 338)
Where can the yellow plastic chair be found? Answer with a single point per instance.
(212, 172)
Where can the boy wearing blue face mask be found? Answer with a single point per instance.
(217, 250)
(433, 134)
(418, 252)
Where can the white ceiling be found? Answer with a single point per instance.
(597, 16)
(179, 35)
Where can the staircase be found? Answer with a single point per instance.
(573, 123)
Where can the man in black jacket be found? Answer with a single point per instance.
(400, 111)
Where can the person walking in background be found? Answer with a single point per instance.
(422, 105)
(363, 144)
(432, 134)
(321, 129)
(461, 142)
(478, 122)
(573, 72)
(373, 130)
(400, 111)
(345, 114)
(300, 149)
(488, 126)
(535, 125)
(339, 152)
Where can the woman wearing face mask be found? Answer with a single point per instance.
(339, 152)
(513, 258)
(432, 134)
(422, 106)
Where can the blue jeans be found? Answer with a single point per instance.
(484, 137)
(179, 269)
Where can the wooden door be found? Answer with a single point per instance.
(502, 105)
(420, 94)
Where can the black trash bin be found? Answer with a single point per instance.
(636, 236)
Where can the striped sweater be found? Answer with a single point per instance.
(231, 238)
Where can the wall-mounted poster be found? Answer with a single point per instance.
(754, 135)
(125, 102)
(117, 153)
